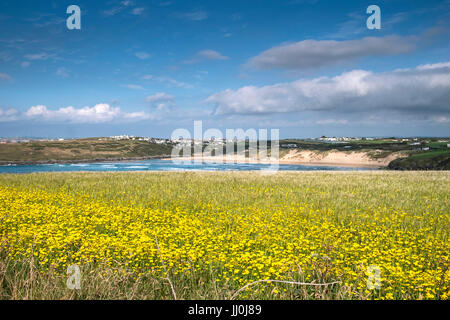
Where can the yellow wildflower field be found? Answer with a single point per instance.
(218, 232)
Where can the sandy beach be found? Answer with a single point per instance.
(305, 157)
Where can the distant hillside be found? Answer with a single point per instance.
(396, 154)
(436, 160)
(411, 154)
(93, 149)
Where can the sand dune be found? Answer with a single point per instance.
(311, 157)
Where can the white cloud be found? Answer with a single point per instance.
(174, 82)
(38, 56)
(442, 119)
(99, 113)
(332, 121)
(196, 15)
(138, 11)
(62, 72)
(161, 101)
(351, 27)
(160, 96)
(6, 77)
(25, 64)
(142, 55)
(112, 11)
(119, 8)
(165, 3)
(434, 66)
(309, 54)
(236, 16)
(50, 22)
(8, 115)
(424, 90)
(5, 56)
(206, 55)
(133, 86)
(211, 55)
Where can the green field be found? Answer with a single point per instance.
(218, 232)
(431, 160)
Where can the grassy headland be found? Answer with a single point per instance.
(435, 160)
(80, 150)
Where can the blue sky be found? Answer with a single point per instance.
(306, 67)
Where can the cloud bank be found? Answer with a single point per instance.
(424, 90)
(309, 54)
(99, 113)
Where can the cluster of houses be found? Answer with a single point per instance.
(20, 140)
(416, 143)
(127, 137)
(212, 141)
(335, 139)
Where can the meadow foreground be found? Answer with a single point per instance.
(207, 235)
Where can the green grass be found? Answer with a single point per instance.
(438, 145)
(431, 160)
(364, 189)
(430, 154)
